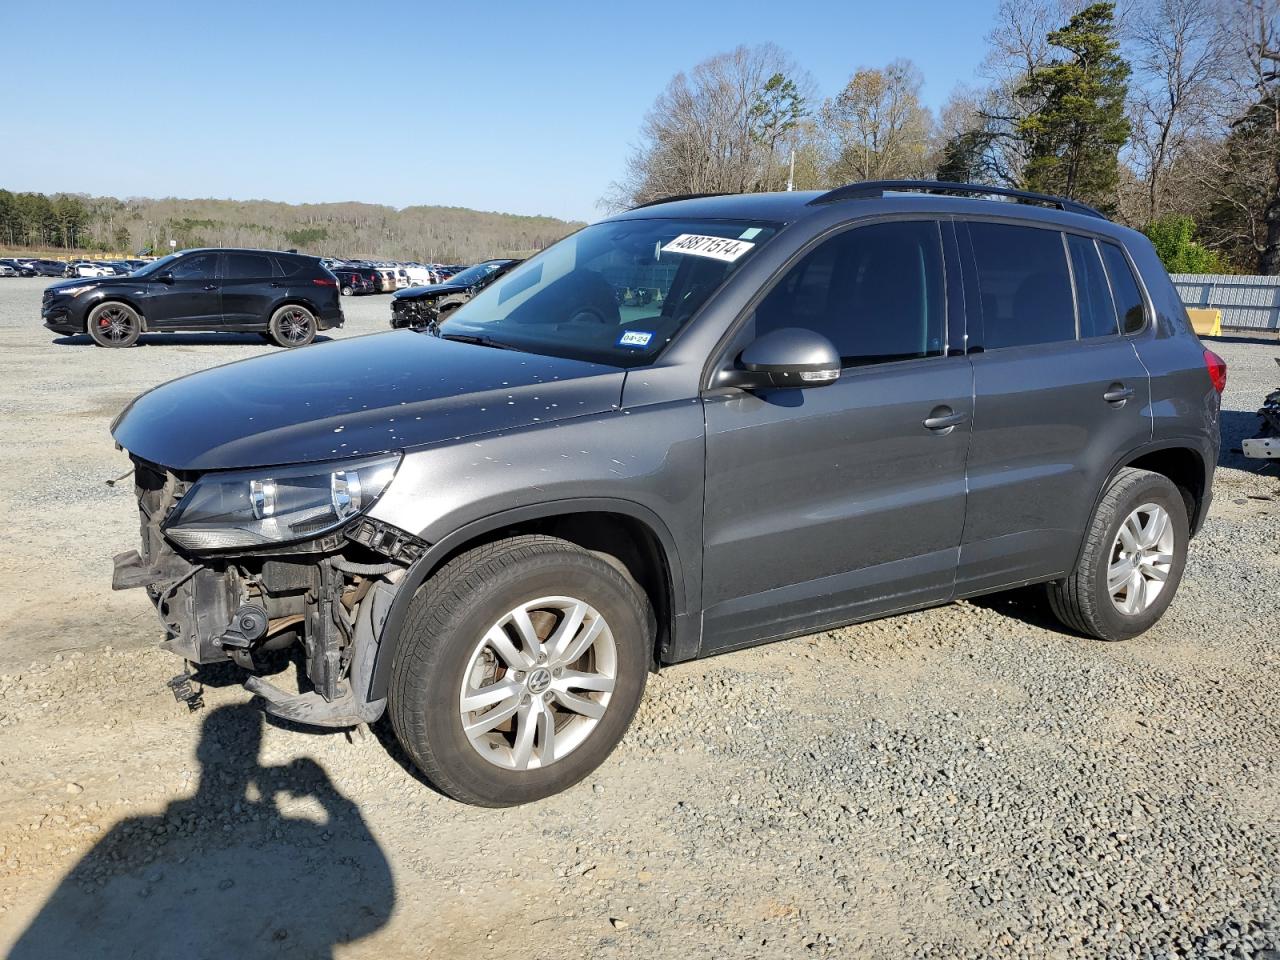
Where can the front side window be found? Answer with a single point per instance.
(199, 266)
(1093, 294)
(248, 266)
(614, 292)
(1133, 315)
(876, 292)
(1023, 284)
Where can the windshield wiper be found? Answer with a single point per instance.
(479, 340)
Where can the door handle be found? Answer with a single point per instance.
(211, 286)
(1118, 394)
(943, 419)
(279, 284)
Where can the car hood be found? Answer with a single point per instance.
(434, 290)
(95, 281)
(364, 395)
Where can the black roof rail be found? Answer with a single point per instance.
(678, 196)
(878, 188)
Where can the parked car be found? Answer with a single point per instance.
(849, 404)
(48, 268)
(285, 297)
(6, 270)
(353, 281)
(421, 306)
(20, 268)
(87, 268)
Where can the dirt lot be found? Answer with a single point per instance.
(966, 781)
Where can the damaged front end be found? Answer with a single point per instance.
(242, 564)
(416, 313)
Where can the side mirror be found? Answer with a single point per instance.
(789, 357)
(165, 277)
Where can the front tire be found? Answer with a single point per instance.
(114, 325)
(346, 290)
(292, 326)
(518, 669)
(1134, 553)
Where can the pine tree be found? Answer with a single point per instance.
(1075, 134)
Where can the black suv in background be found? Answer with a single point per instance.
(356, 280)
(421, 306)
(287, 297)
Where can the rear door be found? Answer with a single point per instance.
(830, 504)
(1059, 395)
(192, 299)
(248, 289)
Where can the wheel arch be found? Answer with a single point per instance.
(291, 300)
(1182, 462)
(621, 531)
(113, 297)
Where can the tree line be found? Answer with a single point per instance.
(1167, 119)
(124, 227)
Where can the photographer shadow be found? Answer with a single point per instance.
(224, 873)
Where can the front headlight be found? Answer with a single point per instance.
(246, 508)
(74, 291)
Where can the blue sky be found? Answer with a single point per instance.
(525, 108)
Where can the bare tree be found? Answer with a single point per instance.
(1177, 54)
(718, 129)
(877, 125)
(1240, 173)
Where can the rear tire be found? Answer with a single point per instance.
(292, 326)
(444, 658)
(114, 324)
(346, 291)
(1134, 553)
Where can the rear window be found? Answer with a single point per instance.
(1133, 315)
(289, 266)
(1024, 285)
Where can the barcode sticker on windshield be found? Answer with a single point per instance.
(717, 248)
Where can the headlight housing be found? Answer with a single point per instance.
(75, 291)
(247, 508)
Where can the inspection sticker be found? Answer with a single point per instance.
(717, 248)
(635, 338)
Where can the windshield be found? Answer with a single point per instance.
(155, 265)
(614, 292)
(474, 274)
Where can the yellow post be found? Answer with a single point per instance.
(1207, 322)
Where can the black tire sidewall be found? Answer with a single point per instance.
(1157, 489)
(435, 700)
(91, 326)
(274, 326)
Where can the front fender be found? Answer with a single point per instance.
(434, 557)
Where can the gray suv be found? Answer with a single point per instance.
(696, 426)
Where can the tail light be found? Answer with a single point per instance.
(1217, 368)
(324, 282)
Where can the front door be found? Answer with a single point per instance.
(831, 504)
(247, 291)
(191, 299)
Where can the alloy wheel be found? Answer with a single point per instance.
(538, 683)
(1141, 559)
(295, 326)
(115, 323)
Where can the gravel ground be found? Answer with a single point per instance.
(960, 782)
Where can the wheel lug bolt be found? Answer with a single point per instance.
(542, 658)
(557, 671)
(547, 695)
(524, 701)
(519, 675)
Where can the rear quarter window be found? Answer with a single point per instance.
(1128, 297)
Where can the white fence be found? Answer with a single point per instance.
(1247, 303)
